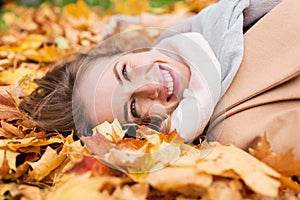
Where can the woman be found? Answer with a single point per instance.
(146, 86)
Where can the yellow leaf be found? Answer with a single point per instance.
(85, 187)
(176, 178)
(78, 10)
(32, 41)
(27, 82)
(44, 54)
(15, 144)
(12, 76)
(257, 175)
(111, 131)
(130, 7)
(48, 162)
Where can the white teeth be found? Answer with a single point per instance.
(170, 83)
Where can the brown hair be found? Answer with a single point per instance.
(50, 104)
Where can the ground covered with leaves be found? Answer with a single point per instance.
(38, 165)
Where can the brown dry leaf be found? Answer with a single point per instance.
(222, 159)
(285, 163)
(4, 169)
(9, 113)
(8, 107)
(11, 158)
(11, 129)
(130, 7)
(48, 162)
(85, 187)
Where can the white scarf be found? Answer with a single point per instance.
(204, 91)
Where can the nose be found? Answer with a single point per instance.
(151, 91)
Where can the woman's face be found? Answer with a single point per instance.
(134, 87)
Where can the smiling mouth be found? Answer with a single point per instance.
(169, 83)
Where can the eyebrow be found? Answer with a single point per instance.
(125, 109)
(117, 74)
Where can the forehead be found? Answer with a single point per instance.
(98, 79)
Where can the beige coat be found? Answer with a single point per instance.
(265, 94)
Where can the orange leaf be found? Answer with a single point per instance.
(285, 163)
(131, 144)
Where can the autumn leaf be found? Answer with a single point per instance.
(130, 7)
(285, 163)
(48, 162)
(91, 164)
(12, 76)
(44, 54)
(8, 104)
(85, 187)
(151, 150)
(221, 161)
(11, 129)
(78, 10)
(4, 169)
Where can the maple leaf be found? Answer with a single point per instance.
(285, 163)
(93, 165)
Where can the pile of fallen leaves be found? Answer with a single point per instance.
(39, 165)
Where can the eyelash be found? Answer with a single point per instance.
(133, 109)
(124, 72)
